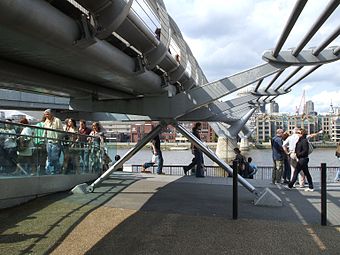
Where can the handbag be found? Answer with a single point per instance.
(23, 143)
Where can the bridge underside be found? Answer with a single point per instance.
(101, 56)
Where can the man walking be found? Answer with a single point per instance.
(198, 155)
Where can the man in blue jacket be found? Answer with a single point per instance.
(278, 155)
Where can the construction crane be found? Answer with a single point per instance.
(302, 104)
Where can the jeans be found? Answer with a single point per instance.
(337, 176)
(277, 171)
(53, 154)
(84, 159)
(159, 162)
(198, 161)
(286, 170)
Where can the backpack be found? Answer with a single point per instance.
(23, 143)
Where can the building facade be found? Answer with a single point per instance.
(267, 124)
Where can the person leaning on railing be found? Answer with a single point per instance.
(71, 155)
(96, 141)
(53, 145)
(8, 148)
(83, 132)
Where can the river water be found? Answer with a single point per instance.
(261, 157)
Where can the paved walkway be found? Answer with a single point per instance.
(151, 214)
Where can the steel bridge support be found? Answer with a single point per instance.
(214, 158)
(126, 157)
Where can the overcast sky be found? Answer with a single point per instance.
(229, 36)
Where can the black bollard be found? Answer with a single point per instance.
(235, 190)
(323, 195)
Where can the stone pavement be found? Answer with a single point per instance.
(152, 214)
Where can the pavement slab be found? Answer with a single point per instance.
(153, 214)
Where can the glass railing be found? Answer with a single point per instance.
(27, 150)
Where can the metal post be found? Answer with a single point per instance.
(323, 195)
(235, 189)
(126, 157)
(213, 157)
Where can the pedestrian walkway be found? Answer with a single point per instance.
(156, 214)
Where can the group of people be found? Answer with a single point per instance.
(291, 157)
(51, 147)
(245, 166)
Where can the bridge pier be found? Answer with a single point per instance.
(244, 145)
(225, 149)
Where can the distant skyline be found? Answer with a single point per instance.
(301, 110)
(227, 37)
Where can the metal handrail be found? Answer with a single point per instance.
(263, 173)
(65, 133)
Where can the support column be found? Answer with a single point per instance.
(205, 149)
(225, 149)
(126, 157)
(244, 145)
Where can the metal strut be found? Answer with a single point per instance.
(214, 158)
(126, 157)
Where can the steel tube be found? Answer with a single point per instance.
(213, 157)
(289, 25)
(258, 85)
(289, 77)
(327, 41)
(337, 50)
(274, 79)
(302, 77)
(321, 20)
(55, 36)
(126, 157)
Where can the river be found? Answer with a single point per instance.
(262, 157)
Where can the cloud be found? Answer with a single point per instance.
(228, 37)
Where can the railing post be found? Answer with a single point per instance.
(235, 190)
(323, 195)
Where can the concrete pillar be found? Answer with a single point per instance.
(244, 145)
(225, 149)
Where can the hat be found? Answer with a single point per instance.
(47, 111)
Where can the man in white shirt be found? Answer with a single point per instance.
(289, 148)
(53, 145)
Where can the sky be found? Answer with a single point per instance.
(230, 36)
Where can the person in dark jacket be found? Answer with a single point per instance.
(243, 166)
(198, 155)
(301, 151)
(157, 157)
(278, 156)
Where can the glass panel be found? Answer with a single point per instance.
(27, 150)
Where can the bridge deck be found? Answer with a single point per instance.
(151, 214)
